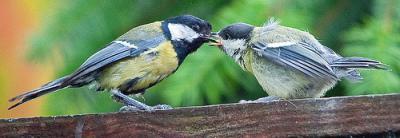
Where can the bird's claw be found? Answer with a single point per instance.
(129, 108)
(262, 100)
(162, 107)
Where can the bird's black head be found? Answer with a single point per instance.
(233, 39)
(236, 31)
(187, 33)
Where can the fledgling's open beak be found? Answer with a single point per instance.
(215, 40)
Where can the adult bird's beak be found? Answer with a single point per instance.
(215, 40)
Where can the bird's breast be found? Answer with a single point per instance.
(285, 82)
(134, 74)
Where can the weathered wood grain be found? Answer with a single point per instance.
(339, 116)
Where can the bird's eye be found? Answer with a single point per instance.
(227, 36)
(223, 36)
(196, 27)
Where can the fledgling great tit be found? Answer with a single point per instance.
(288, 63)
(135, 61)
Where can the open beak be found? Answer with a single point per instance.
(215, 40)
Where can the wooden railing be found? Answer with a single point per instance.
(372, 115)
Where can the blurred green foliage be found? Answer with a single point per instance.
(78, 29)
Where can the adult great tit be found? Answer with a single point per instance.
(288, 63)
(135, 61)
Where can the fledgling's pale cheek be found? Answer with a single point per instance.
(227, 50)
(230, 46)
(234, 44)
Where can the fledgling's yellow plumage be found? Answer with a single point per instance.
(289, 63)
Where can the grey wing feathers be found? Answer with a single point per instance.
(297, 57)
(85, 73)
(106, 56)
(114, 52)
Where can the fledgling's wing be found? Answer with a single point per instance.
(299, 56)
(114, 52)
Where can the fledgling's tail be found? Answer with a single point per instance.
(358, 62)
(349, 64)
(45, 89)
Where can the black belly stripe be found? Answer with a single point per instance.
(127, 86)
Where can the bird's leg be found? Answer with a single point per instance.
(128, 101)
(134, 105)
(262, 100)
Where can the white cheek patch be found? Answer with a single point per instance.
(234, 48)
(179, 32)
(234, 44)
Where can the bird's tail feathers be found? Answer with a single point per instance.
(348, 66)
(45, 89)
(358, 63)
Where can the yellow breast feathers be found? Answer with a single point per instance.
(146, 69)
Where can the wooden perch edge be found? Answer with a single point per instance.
(339, 116)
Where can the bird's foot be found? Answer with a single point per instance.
(162, 107)
(262, 100)
(130, 102)
(267, 100)
(129, 108)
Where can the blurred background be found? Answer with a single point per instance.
(43, 39)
